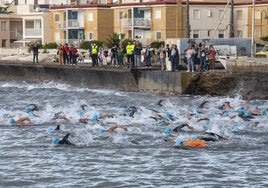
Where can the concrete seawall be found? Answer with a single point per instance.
(248, 80)
(76, 76)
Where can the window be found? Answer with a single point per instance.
(196, 14)
(57, 17)
(239, 33)
(91, 36)
(239, 15)
(195, 34)
(4, 43)
(3, 26)
(158, 35)
(90, 17)
(221, 14)
(257, 14)
(121, 15)
(158, 14)
(221, 33)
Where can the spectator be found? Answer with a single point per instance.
(35, 53)
(66, 53)
(211, 57)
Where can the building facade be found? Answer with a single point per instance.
(74, 21)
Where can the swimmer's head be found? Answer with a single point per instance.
(56, 140)
(162, 121)
(5, 106)
(247, 113)
(236, 129)
(95, 118)
(50, 129)
(167, 114)
(241, 110)
(168, 130)
(12, 120)
(4, 115)
(178, 142)
(31, 113)
(101, 130)
(264, 112)
(167, 134)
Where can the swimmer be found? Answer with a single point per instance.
(6, 117)
(190, 143)
(21, 121)
(64, 140)
(210, 136)
(179, 127)
(31, 108)
(130, 111)
(202, 119)
(57, 127)
(158, 117)
(201, 105)
(159, 103)
(59, 115)
(83, 107)
(115, 127)
(168, 136)
(170, 116)
(226, 105)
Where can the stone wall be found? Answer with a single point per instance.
(248, 80)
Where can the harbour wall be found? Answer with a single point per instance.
(248, 80)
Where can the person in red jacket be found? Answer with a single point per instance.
(73, 55)
(66, 53)
(212, 57)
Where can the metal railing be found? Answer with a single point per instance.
(33, 32)
(68, 24)
(15, 35)
(136, 22)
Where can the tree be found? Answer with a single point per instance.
(4, 10)
(112, 40)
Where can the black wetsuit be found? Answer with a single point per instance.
(65, 140)
(179, 127)
(210, 136)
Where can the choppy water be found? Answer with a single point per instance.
(138, 157)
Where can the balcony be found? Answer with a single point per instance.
(71, 24)
(33, 32)
(15, 35)
(136, 22)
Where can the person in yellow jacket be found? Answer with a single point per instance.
(94, 54)
(129, 51)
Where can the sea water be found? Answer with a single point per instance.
(138, 157)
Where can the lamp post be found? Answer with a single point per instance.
(253, 30)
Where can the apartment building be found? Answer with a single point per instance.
(143, 21)
(74, 21)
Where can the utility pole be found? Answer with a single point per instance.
(232, 20)
(253, 30)
(188, 27)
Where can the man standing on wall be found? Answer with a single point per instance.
(94, 54)
(35, 53)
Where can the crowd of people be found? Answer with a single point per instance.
(197, 58)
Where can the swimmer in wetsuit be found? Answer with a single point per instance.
(190, 143)
(21, 121)
(210, 136)
(60, 116)
(179, 127)
(64, 140)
